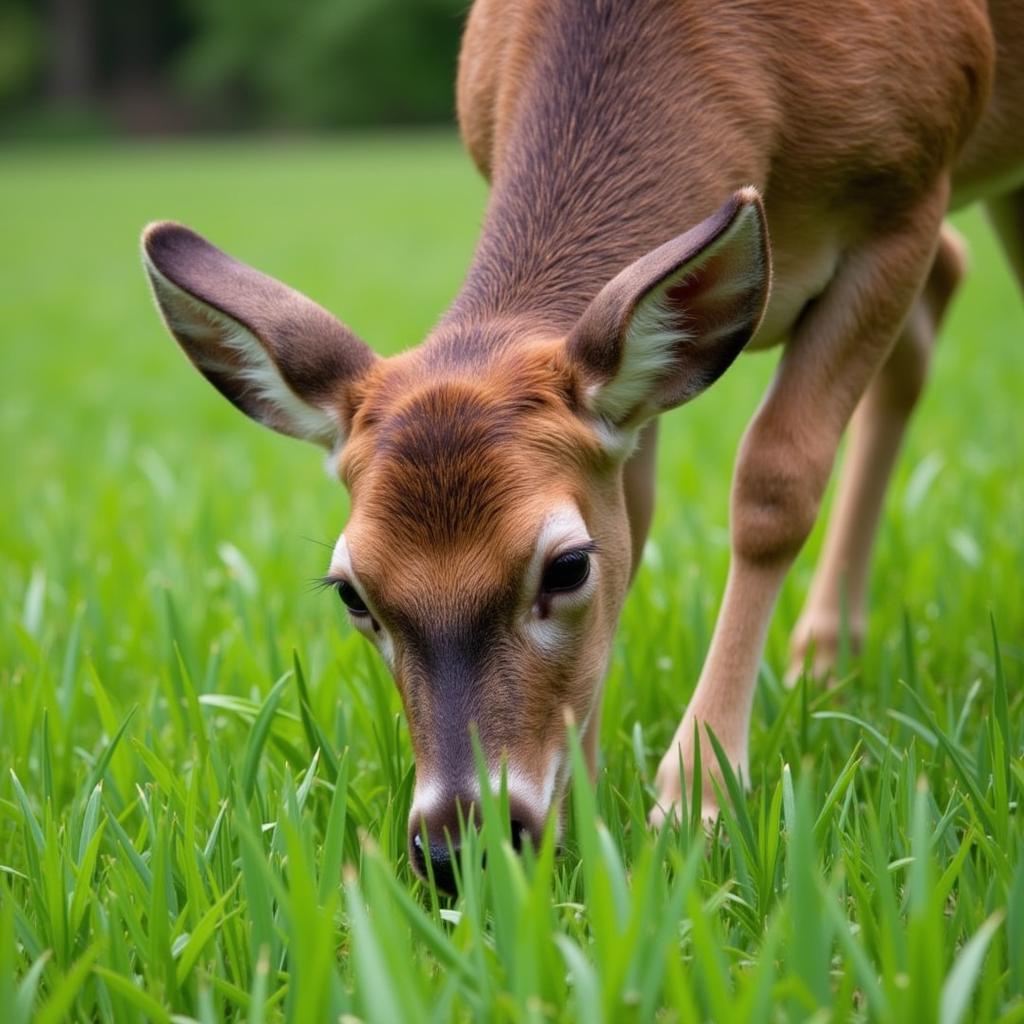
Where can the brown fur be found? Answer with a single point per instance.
(607, 127)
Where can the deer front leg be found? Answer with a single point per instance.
(783, 466)
(838, 594)
(638, 484)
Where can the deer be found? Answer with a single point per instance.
(671, 182)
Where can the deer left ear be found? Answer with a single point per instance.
(671, 323)
(275, 354)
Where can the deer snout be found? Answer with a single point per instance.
(437, 813)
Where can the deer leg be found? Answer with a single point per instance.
(781, 472)
(1006, 214)
(638, 482)
(839, 588)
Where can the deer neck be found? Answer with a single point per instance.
(595, 164)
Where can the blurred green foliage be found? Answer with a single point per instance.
(20, 51)
(325, 62)
(172, 65)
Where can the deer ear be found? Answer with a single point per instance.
(278, 356)
(672, 322)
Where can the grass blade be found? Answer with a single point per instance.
(959, 985)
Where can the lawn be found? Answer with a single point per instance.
(205, 773)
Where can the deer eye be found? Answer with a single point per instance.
(567, 572)
(350, 598)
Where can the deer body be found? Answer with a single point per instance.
(501, 472)
(840, 115)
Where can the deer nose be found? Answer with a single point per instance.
(440, 822)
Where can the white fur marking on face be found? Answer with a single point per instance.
(430, 795)
(341, 565)
(426, 797)
(551, 779)
(258, 369)
(563, 529)
(548, 634)
(525, 790)
(386, 646)
(520, 787)
(341, 560)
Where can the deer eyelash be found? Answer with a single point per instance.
(327, 582)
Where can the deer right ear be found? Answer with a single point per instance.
(672, 322)
(278, 356)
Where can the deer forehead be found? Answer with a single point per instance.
(453, 469)
(432, 414)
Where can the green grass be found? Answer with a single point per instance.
(190, 829)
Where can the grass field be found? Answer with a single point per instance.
(190, 829)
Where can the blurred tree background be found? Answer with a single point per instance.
(74, 67)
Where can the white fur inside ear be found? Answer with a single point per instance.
(188, 317)
(647, 356)
(657, 331)
(260, 373)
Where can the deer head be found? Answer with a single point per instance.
(487, 555)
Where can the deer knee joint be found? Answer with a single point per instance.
(775, 501)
